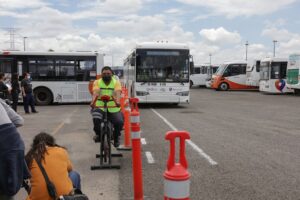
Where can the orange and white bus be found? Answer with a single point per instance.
(231, 76)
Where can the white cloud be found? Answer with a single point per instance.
(173, 11)
(220, 36)
(107, 8)
(20, 4)
(233, 8)
(292, 46)
(133, 25)
(281, 35)
(45, 22)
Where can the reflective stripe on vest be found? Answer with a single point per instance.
(107, 90)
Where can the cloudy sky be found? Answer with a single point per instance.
(217, 27)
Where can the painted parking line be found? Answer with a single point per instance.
(192, 144)
(66, 121)
(143, 141)
(150, 158)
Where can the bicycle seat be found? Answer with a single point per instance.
(105, 98)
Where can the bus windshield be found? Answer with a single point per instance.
(264, 70)
(221, 69)
(162, 65)
(278, 70)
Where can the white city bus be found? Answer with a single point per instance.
(273, 75)
(252, 73)
(159, 73)
(210, 71)
(56, 77)
(293, 73)
(199, 75)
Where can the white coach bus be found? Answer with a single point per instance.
(252, 73)
(159, 73)
(56, 77)
(293, 73)
(273, 75)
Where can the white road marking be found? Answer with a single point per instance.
(192, 144)
(149, 157)
(143, 141)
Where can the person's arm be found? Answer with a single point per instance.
(117, 92)
(23, 89)
(15, 118)
(96, 92)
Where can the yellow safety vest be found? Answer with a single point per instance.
(107, 90)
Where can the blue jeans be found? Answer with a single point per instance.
(75, 178)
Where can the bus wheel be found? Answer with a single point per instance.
(191, 84)
(223, 87)
(297, 92)
(43, 96)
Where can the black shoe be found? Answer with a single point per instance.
(27, 113)
(96, 138)
(116, 142)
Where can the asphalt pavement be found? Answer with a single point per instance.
(244, 145)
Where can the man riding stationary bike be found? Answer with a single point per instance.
(107, 85)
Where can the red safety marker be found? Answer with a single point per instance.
(136, 150)
(126, 113)
(177, 177)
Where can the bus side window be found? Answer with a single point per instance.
(227, 72)
(243, 69)
(283, 69)
(257, 66)
(197, 70)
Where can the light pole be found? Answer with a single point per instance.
(246, 50)
(274, 44)
(24, 38)
(210, 59)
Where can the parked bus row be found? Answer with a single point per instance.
(269, 75)
(153, 72)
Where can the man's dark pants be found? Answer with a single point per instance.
(28, 100)
(115, 118)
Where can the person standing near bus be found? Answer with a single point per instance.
(4, 90)
(107, 85)
(15, 91)
(27, 93)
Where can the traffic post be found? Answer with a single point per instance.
(176, 176)
(126, 114)
(136, 150)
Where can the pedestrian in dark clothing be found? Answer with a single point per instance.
(13, 168)
(15, 91)
(27, 93)
(4, 90)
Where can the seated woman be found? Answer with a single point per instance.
(57, 165)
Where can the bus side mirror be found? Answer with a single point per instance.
(132, 61)
(191, 67)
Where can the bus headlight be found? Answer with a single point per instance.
(185, 93)
(141, 93)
